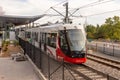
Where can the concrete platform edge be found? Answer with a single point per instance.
(38, 72)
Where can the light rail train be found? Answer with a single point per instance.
(60, 41)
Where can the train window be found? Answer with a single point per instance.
(33, 35)
(51, 39)
(48, 38)
(63, 43)
(36, 36)
(43, 38)
(28, 34)
(40, 39)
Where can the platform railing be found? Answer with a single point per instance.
(52, 69)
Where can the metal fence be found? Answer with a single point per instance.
(52, 69)
(106, 48)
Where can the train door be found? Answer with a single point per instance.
(43, 41)
(33, 38)
(51, 44)
(45, 48)
(40, 39)
(63, 43)
(36, 39)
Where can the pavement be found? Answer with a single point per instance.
(13, 70)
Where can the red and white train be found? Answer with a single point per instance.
(60, 41)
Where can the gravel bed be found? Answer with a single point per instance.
(105, 69)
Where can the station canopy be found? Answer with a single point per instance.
(18, 20)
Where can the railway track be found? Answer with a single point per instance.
(84, 72)
(105, 61)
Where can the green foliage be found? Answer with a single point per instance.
(5, 47)
(4, 42)
(7, 42)
(109, 30)
(91, 30)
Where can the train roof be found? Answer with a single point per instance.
(56, 27)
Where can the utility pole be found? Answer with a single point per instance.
(66, 17)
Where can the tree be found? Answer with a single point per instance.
(114, 28)
(109, 30)
(91, 30)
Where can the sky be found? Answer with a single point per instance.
(38, 7)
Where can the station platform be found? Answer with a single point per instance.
(13, 70)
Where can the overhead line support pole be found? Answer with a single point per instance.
(57, 11)
(66, 17)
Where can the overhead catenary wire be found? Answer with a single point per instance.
(49, 18)
(102, 13)
(60, 3)
(102, 2)
(84, 6)
(89, 5)
(56, 5)
(95, 3)
(76, 9)
(97, 13)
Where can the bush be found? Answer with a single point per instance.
(5, 42)
(4, 48)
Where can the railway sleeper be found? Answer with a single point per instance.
(91, 74)
(96, 77)
(86, 72)
(78, 77)
(101, 79)
(82, 69)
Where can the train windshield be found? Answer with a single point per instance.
(76, 39)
